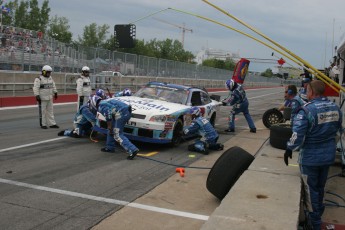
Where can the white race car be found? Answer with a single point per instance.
(161, 110)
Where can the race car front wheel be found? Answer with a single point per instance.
(177, 133)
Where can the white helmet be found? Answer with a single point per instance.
(47, 68)
(85, 68)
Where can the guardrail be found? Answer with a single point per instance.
(14, 84)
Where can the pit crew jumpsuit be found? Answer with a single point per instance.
(45, 88)
(118, 113)
(295, 105)
(209, 135)
(83, 90)
(238, 99)
(84, 120)
(314, 130)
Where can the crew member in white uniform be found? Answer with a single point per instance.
(44, 89)
(83, 86)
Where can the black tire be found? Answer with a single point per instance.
(177, 133)
(226, 171)
(213, 119)
(271, 117)
(279, 135)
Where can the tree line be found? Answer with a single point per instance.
(27, 14)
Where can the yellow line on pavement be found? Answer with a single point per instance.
(148, 154)
(293, 165)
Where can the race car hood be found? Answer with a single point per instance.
(150, 107)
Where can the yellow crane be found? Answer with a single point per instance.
(182, 27)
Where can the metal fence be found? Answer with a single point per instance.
(24, 50)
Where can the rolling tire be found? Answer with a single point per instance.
(279, 135)
(271, 117)
(177, 133)
(226, 171)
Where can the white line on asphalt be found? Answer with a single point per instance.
(107, 200)
(33, 106)
(35, 143)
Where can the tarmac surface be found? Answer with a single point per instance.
(241, 208)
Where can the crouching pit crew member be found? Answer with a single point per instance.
(84, 119)
(117, 113)
(203, 127)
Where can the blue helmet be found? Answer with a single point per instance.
(126, 92)
(230, 84)
(101, 93)
(94, 101)
(195, 111)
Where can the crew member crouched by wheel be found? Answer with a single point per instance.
(203, 127)
(117, 113)
(84, 119)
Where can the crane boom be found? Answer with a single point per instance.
(182, 27)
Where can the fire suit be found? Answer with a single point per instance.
(83, 90)
(118, 113)
(209, 135)
(238, 99)
(84, 120)
(314, 130)
(45, 88)
(295, 105)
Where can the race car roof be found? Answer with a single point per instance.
(182, 87)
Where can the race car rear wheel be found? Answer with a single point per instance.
(226, 171)
(177, 133)
(271, 117)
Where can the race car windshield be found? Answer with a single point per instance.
(173, 95)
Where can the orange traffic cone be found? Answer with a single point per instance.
(181, 171)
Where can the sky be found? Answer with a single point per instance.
(309, 29)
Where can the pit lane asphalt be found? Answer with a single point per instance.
(69, 183)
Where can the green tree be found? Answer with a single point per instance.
(267, 73)
(59, 29)
(94, 36)
(28, 15)
(229, 64)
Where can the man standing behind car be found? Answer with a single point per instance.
(238, 100)
(83, 86)
(314, 130)
(44, 89)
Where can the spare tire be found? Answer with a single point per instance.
(226, 171)
(271, 117)
(279, 135)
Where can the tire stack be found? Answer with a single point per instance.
(279, 135)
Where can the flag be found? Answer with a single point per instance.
(5, 9)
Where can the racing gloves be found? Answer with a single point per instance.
(287, 154)
(38, 98)
(55, 96)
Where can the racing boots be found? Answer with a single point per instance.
(253, 130)
(132, 155)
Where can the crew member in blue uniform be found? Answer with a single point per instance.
(292, 100)
(117, 113)
(84, 119)
(203, 127)
(314, 130)
(239, 102)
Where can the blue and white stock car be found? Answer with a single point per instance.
(161, 110)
